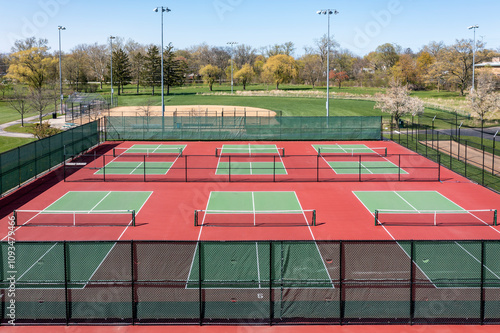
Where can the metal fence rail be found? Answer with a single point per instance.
(243, 282)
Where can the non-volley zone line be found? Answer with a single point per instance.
(247, 264)
(149, 149)
(349, 149)
(249, 150)
(462, 259)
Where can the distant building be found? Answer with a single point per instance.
(493, 65)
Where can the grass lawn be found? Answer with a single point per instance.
(7, 143)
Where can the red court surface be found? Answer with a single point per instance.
(257, 329)
(168, 214)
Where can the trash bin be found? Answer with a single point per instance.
(54, 115)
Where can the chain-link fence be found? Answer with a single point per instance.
(243, 128)
(264, 282)
(471, 153)
(26, 162)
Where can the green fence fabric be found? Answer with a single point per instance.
(243, 128)
(26, 162)
(265, 282)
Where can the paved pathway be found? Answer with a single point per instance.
(59, 122)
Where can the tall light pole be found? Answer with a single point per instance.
(112, 90)
(232, 54)
(328, 12)
(60, 70)
(162, 10)
(473, 54)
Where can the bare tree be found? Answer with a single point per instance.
(39, 100)
(20, 102)
(99, 58)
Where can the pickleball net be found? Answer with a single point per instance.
(61, 218)
(343, 151)
(123, 152)
(274, 218)
(481, 217)
(245, 151)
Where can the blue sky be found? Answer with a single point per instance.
(360, 26)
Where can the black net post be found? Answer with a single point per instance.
(104, 167)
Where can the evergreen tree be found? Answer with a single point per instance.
(152, 66)
(173, 69)
(121, 68)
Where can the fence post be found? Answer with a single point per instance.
(341, 282)
(481, 311)
(412, 283)
(144, 169)
(200, 276)
(271, 303)
(274, 168)
(484, 152)
(185, 167)
(399, 167)
(317, 167)
(359, 168)
(132, 281)
(439, 167)
(466, 162)
(68, 307)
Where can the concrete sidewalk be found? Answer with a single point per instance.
(60, 122)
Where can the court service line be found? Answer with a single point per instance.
(137, 167)
(406, 201)
(315, 243)
(100, 201)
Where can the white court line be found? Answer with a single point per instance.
(315, 243)
(405, 201)
(121, 235)
(100, 201)
(198, 242)
(137, 167)
(394, 239)
(479, 261)
(258, 266)
(43, 255)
